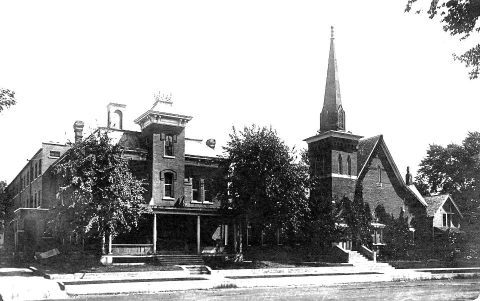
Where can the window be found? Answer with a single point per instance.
(169, 185)
(35, 172)
(207, 190)
(34, 199)
(340, 165)
(196, 190)
(379, 174)
(40, 167)
(445, 220)
(349, 166)
(54, 154)
(169, 145)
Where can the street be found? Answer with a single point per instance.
(419, 290)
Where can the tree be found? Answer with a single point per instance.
(7, 99)
(98, 195)
(5, 204)
(265, 183)
(459, 18)
(358, 217)
(396, 234)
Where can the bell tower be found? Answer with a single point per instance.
(333, 151)
(164, 132)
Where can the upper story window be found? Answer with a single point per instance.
(196, 190)
(169, 145)
(349, 166)
(168, 185)
(54, 154)
(340, 164)
(40, 167)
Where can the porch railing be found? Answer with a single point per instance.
(132, 249)
(367, 252)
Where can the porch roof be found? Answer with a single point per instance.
(187, 211)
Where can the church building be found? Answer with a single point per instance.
(344, 161)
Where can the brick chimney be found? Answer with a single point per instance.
(78, 129)
(211, 143)
(408, 177)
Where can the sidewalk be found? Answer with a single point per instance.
(22, 284)
(151, 282)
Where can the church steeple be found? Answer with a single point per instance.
(333, 115)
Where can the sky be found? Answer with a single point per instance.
(231, 63)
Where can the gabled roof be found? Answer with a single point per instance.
(365, 150)
(367, 147)
(436, 202)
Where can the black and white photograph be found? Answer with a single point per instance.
(240, 150)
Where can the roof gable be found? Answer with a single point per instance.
(368, 148)
(437, 201)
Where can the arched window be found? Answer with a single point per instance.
(168, 180)
(349, 166)
(169, 145)
(379, 174)
(117, 120)
(340, 165)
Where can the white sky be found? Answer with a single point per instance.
(231, 63)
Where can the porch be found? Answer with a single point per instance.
(175, 235)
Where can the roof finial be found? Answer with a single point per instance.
(332, 33)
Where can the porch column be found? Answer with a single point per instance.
(198, 234)
(235, 236)
(110, 244)
(154, 233)
(226, 234)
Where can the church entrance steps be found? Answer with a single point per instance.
(360, 261)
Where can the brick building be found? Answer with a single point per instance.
(178, 171)
(344, 161)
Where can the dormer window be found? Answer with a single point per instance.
(169, 145)
(54, 154)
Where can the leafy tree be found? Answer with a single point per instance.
(98, 195)
(5, 204)
(357, 215)
(454, 169)
(7, 98)
(266, 184)
(459, 18)
(396, 234)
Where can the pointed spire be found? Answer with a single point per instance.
(333, 116)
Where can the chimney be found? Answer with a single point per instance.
(408, 177)
(78, 129)
(211, 143)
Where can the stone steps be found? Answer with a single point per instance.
(189, 260)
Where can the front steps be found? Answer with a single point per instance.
(180, 259)
(358, 260)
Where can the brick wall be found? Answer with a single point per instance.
(386, 189)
